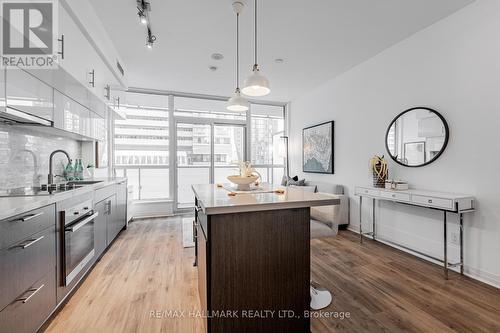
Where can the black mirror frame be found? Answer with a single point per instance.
(447, 131)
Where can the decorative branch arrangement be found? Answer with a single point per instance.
(380, 170)
(246, 169)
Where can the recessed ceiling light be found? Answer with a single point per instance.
(212, 68)
(279, 60)
(217, 56)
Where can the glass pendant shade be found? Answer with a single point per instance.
(256, 84)
(237, 103)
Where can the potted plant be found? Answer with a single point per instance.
(380, 170)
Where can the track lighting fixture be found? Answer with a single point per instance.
(144, 8)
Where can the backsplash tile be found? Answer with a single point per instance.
(24, 156)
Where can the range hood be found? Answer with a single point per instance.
(10, 115)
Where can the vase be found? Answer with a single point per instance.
(377, 181)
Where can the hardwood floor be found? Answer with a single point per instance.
(382, 289)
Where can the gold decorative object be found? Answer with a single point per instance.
(380, 170)
(247, 175)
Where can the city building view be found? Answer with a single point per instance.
(208, 140)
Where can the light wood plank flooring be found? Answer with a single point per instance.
(382, 289)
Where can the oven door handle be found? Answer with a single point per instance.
(78, 225)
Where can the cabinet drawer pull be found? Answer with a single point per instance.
(62, 46)
(108, 209)
(92, 81)
(31, 242)
(107, 92)
(77, 226)
(393, 195)
(429, 201)
(29, 217)
(34, 291)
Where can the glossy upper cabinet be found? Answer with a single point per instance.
(26, 93)
(98, 126)
(71, 116)
(2, 89)
(81, 60)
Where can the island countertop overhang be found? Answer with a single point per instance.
(215, 200)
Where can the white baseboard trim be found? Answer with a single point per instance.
(474, 273)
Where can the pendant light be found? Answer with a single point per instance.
(237, 102)
(256, 84)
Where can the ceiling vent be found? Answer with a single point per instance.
(120, 68)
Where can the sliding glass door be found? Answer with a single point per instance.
(229, 147)
(206, 153)
(194, 159)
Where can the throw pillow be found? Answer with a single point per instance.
(301, 182)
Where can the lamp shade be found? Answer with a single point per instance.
(256, 85)
(237, 103)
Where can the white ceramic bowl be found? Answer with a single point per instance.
(242, 183)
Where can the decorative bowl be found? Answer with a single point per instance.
(243, 182)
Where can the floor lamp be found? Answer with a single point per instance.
(285, 138)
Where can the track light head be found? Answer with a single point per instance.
(150, 40)
(143, 7)
(143, 18)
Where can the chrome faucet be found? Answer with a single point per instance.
(51, 175)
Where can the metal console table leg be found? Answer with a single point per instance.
(445, 260)
(360, 220)
(461, 216)
(373, 218)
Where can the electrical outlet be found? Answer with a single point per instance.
(455, 238)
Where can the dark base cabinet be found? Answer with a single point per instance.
(33, 250)
(100, 235)
(111, 221)
(254, 261)
(27, 313)
(27, 270)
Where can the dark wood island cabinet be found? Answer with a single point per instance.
(253, 259)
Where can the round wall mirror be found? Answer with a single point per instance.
(417, 137)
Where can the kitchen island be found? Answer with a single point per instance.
(253, 258)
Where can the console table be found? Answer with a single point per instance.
(445, 202)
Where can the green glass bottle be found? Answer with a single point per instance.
(69, 171)
(78, 169)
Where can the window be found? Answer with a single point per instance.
(204, 108)
(208, 141)
(142, 145)
(267, 128)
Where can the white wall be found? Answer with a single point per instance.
(452, 66)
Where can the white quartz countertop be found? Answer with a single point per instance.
(10, 206)
(215, 200)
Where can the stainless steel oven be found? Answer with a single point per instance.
(78, 239)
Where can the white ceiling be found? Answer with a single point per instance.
(318, 40)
